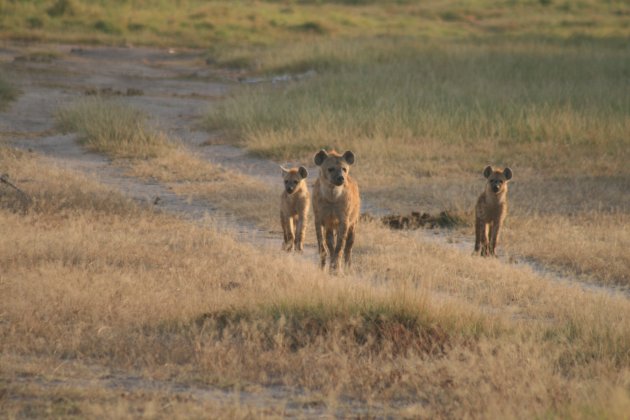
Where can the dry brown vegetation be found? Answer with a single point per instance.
(98, 289)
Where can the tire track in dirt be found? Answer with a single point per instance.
(169, 99)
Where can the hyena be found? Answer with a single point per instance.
(294, 206)
(491, 210)
(336, 207)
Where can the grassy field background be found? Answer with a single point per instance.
(98, 292)
(219, 24)
(425, 119)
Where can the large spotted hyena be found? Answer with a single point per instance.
(336, 207)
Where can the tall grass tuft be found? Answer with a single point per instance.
(7, 92)
(113, 128)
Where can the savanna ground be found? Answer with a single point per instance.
(142, 276)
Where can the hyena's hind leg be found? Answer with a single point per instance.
(478, 227)
(347, 252)
(319, 232)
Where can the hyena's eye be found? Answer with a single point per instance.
(344, 169)
(331, 170)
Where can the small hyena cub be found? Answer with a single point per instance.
(491, 210)
(294, 207)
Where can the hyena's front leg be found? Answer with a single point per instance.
(494, 237)
(484, 240)
(300, 230)
(347, 252)
(342, 235)
(289, 235)
(330, 243)
(319, 232)
(286, 230)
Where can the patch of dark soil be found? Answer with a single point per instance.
(417, 220)
(37, 57)
(113, 92)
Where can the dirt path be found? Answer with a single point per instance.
(175, 89)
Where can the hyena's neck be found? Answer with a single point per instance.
(496, 198)
(331, 192)
(300, 189)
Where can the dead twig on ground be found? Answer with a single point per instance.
(24, 197)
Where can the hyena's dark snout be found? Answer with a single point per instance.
(339, 180)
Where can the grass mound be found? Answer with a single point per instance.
(292, 327)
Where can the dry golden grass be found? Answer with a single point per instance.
(99, 288)
(102, 299)
(544, 228)
(593, 244)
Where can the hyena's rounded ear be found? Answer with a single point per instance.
(349, 157)
(507, 172)
(303, 172)
(487, 172)
(320, 157)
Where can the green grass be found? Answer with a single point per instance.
(443, 107)
(113, 128)
(7, 92)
